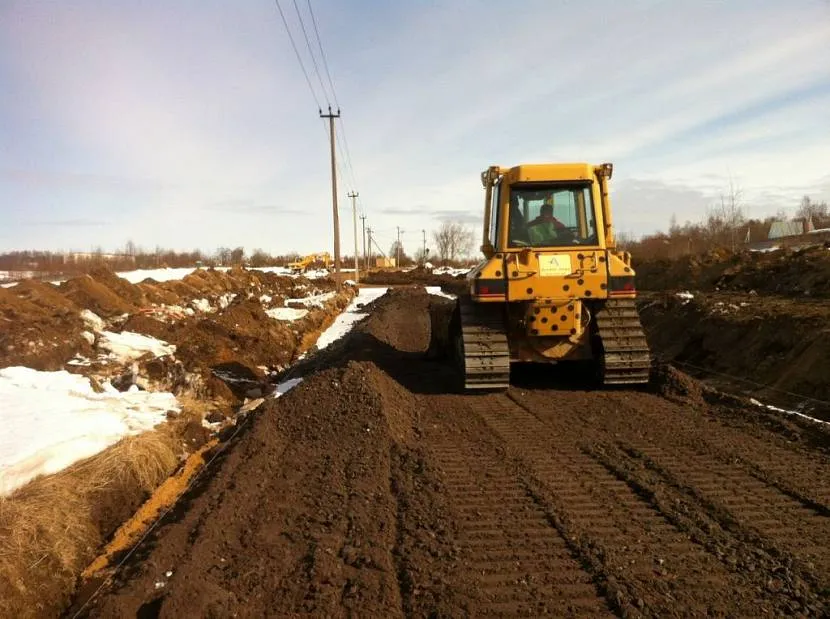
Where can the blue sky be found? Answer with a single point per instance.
(189, 124)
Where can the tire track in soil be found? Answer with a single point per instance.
(786, 533)
(791, 522)
(658, 566)
(514, 562)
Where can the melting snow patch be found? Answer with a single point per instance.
(316, 300)
(128, 346)
(225, 300)
(201, 305)
(450, 271)
(436, 291)
(787, 412)
(53, 419)
(286, 313)
(93, 320)
(686, 296)
(352, 314)
(286, 386)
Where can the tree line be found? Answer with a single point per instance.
(725, 226)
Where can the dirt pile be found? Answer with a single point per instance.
(786, 272)
(424, 277)
(328, 528)
(216, 319)
(774, 349)
(41, 329)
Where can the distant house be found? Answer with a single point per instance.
(796, 227)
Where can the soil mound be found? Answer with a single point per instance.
(400, 319)
(38, 331)
(310, 488)
(96, 296)
(783, 272)
(770, 348)
(419, 275)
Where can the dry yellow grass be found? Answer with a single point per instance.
(54, 526)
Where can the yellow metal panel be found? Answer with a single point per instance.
(540, 172)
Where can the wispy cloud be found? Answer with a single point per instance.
(182, 126)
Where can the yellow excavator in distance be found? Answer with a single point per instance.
(553, 287)
(305, 262)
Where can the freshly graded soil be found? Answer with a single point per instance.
(371, 490)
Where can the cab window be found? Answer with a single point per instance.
(553, 215)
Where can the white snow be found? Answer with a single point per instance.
(128, 346)
(53, 419)
(450, 271)
(160, 275)
(436, 291)
(316, 274)
(315, 300)
(89, 337)
(787, 412)
(286, 386)
(92, 320)
(351, 315)
(201, 305)
(225, 300)
(276, 270)
(286, 313)
(685, 296)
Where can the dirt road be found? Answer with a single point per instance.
(368, 490)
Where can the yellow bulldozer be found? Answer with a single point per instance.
(553, 287)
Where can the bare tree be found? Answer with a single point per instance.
(223, 256)
(238, 255)
(816, 212)
(453, 240)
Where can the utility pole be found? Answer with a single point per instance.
(369, 233)
(424, 252)
(363, 238)
(398, 248)
(331, 118)
(353, 195)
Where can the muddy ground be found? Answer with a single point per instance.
(369, 490)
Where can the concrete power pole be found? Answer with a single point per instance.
(353, 195)
(424, 252)
(369, 235)
(398, 249)
(331, 118)
(363, 238)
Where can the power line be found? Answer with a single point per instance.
(347, 155)
(297, 54)
(322, 53)
(311, 53)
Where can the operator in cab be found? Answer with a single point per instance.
(545, 229)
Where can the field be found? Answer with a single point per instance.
(371, 489)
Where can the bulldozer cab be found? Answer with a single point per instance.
(546, 206)
(551, 215)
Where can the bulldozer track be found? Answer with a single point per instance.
(736, 510)
(519, 562)
(648, 556)
(625, 351)
(486, 353)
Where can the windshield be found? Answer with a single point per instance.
(551, 216)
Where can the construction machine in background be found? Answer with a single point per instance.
(300, 266)
(553, 287)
